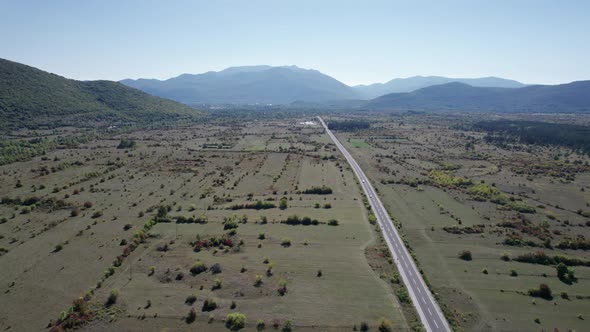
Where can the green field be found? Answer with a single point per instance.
(108, 195)
(436, 211)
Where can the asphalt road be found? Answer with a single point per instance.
(430, 314)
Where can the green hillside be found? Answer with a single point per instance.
(30, 97)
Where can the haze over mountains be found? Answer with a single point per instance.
(285, 85)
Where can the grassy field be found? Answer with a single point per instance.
(453, 192)
(78, 222)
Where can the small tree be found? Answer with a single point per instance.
(112, 299)
(198, 267)
(192, 316)
(385, 326)
(235, 321)
(288, 326)
(258, 280)
(465, 255)
(209, 305)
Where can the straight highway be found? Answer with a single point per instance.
(430, 314)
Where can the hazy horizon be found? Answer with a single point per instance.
(538, 42)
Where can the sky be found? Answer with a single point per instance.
(356, 42)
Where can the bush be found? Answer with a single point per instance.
(112, 299)
(385, 326)
(402, 295)
(258, 280)
(198, 267)
(513, 273)
(126, 144)
(97, 214)
(215, 268)
(235, 321)
(216, 284)
(209, 305)
(260, 325)
(192, 316)
(230, 224)
(287, 327)
(283, 203)
(261, 236)
(364, 327)
(543, 292)
(191, 299)
(333, 222)
(285, 242)
(327, 206)
(465, 255)
(323, 190)
(127, 227)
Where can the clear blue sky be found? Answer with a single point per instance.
(356, 42)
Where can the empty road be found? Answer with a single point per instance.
(430, 314)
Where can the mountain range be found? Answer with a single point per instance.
(410, 84)
(285, 85)
(32, 97)
(571, 97)
(248, 85)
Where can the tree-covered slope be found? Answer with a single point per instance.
(30, 97)
(571, 97)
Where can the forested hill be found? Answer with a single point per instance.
(571, 97)
(30, 97)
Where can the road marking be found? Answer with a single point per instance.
(435, 324)
(429, 312)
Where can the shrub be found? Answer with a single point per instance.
(191, 299)
(260, 325)
(287, 327)
(235, 321)
(230, 224)
(216, 284)
(258, 280)
(283, 203)
(333, 222)
(112, 299)
(261, 236)
(97, 214)
(233, 305)
(198, 267)
(74, 213)
(127, 227)
(285, 242)
(402, 295)
(209, 305)
(192, 315)
(126, 144)
(319, 274)
(505, 257)
(323, 190)
(513, 273)
(327, 206)
(385, 326)
(58, 247)
(465, 255)
(282, 287)
(215, 268)
(364, 327)
(543, 292)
